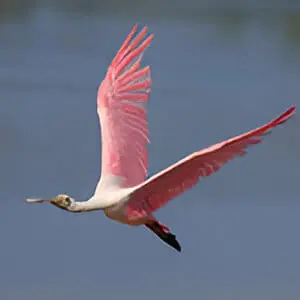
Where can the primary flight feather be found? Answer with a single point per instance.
(122, 191)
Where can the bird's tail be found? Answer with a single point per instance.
(164, 233)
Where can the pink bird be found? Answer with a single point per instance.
(123, 192)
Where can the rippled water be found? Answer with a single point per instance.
(217, 70)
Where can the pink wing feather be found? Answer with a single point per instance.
(122, 98)
(169, 183)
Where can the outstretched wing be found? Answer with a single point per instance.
(169, 183)
(121, 103)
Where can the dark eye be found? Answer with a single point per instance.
(67, 201)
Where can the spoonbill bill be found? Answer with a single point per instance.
(123, 192)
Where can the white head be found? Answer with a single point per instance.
(62, 201)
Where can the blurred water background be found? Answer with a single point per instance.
(219, 68)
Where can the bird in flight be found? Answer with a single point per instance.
(124, 193)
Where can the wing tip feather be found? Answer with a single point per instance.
(285, 115)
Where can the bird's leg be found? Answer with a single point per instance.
(164, 233)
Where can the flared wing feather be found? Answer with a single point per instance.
(159, 189)
(121, 102)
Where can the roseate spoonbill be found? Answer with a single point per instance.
(123, 192)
